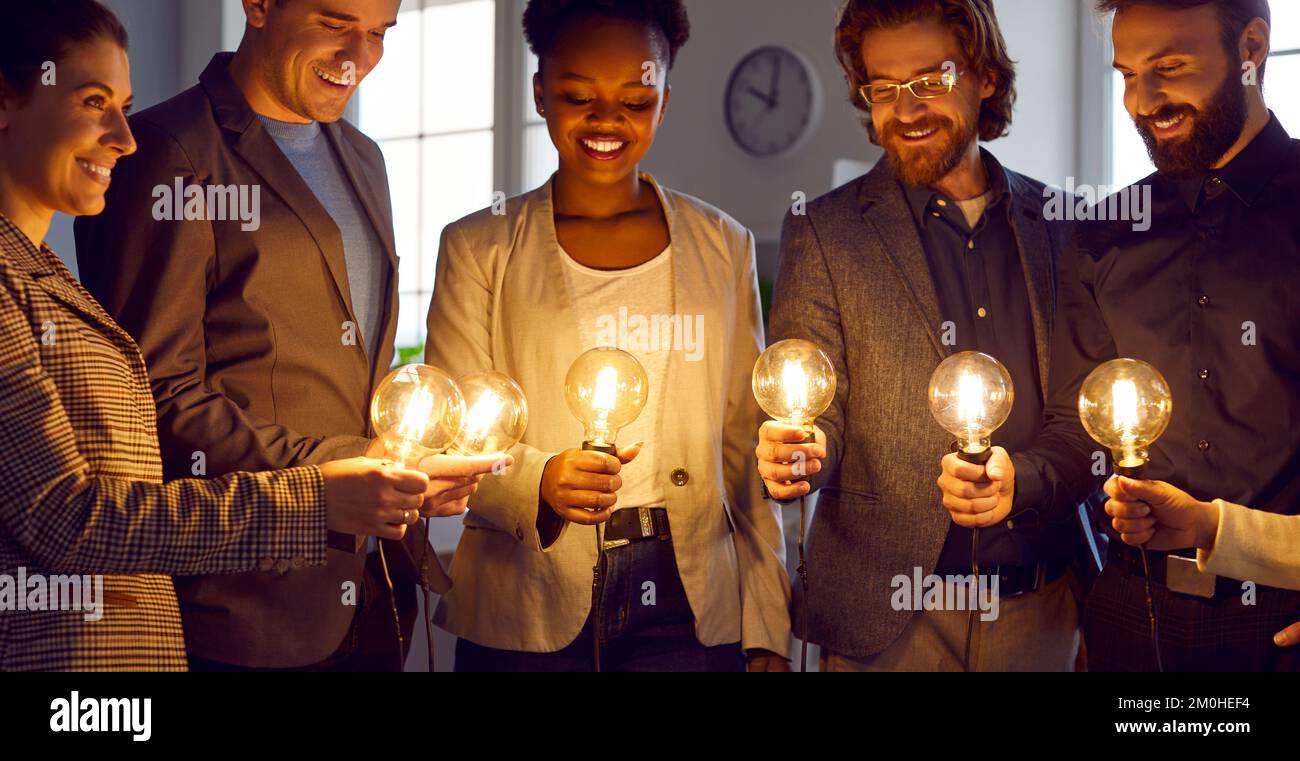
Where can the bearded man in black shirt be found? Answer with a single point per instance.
(1208, 295)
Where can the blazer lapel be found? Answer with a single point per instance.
(885, 211)
(381, 219)
(258, 148)
(1036, 261)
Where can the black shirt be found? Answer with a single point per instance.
(984, 303)
(1210, 296)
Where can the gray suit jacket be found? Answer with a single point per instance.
(244, 336)
(854, 279)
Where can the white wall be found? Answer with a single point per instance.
(695, 154)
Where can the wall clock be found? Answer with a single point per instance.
(772, 102)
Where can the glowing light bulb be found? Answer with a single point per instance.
(496, 414)
(794, 382)
(417, 411)
(971, 395)
(606, 389)
(1125, 405)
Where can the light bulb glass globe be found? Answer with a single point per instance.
(1125, 405)
(794, 382)
(970, 397)
(417, 412)
(606, 389)
(496, 413)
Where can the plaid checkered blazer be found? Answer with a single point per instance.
(81, 487)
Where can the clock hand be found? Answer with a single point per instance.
(761, 96)
(776, 78)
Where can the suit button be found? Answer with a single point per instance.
(1203, 374)
(282, 566)
(265, 564)
(299, 562)
(519, 533)
(1203, 301)
(1202, 445)
(680, 476)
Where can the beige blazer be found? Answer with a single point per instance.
(1253, 545)
(500, 302)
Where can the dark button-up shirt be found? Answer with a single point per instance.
(1210, 296)
(980, 284)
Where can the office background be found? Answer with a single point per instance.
(451, 106)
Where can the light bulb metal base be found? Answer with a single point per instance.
(1131, 471)
(975, 458)
(608, 449)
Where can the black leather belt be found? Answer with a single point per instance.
(635, 524)
(1129, 560)
(1014, 580)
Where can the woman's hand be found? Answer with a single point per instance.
(582, 486)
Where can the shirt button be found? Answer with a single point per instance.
(1203, 300)
(680, 476)
(1215, 182)
(943, 203)
(1203, 374)
(1202, 445)
(934, 213)
(983, 312)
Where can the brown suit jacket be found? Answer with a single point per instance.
(244, 333)
(81, 488)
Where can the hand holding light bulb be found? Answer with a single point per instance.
(971, 396)
(418, 412)
(794, 382)
(605, 389)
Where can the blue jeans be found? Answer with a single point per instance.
(646, 625)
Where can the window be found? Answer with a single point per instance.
(1129, 160)
(431, 107)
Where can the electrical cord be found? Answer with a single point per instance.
(392, 601)
(970, 614)
(1151, 609)
(597, 589)
(803, 599)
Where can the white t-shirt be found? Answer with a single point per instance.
(623, 308)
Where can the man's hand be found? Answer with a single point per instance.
(1159, 515)
(978, 495)
(766, 660)
(581, 486)
(1288, 636)
(784, 462)
(453, 478)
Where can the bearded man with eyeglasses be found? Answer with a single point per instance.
(936, 250)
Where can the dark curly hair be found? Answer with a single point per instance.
(546, 20)
(976, 27)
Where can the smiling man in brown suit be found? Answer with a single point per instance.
(266, 310)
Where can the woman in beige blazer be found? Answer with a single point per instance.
(601, 250)
(81, 490)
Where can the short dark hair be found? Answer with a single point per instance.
(37, 31)
(1234, 15)
(976, 27)
(545, 20)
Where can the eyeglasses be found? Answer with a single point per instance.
(922, 88)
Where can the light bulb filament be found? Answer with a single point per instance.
(1124, 399)
(482, 416)
(794, 384)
